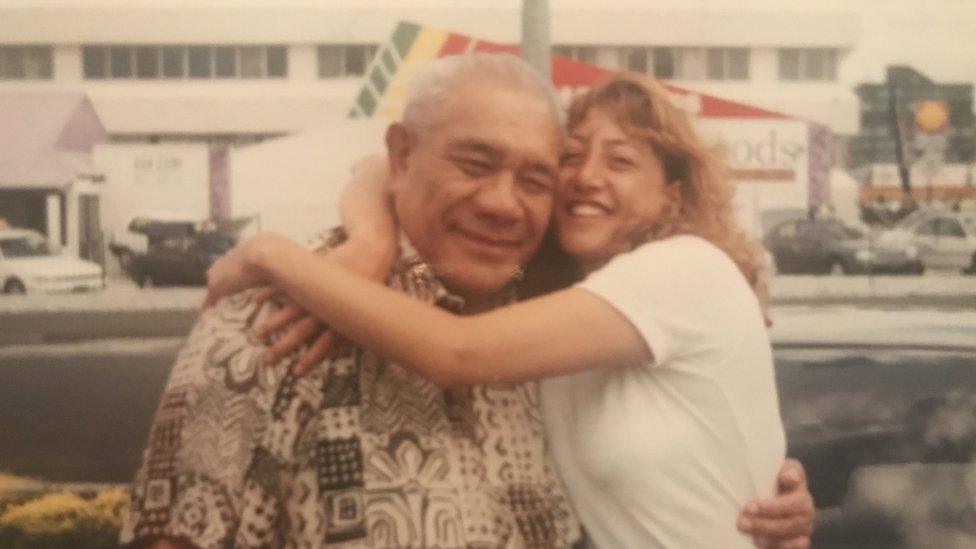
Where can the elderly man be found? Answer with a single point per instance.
(360, 452)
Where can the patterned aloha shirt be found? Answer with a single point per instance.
(359, 452)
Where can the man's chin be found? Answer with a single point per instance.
(477, 281)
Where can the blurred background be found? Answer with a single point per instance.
(140, 140)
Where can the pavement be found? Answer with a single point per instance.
(125, 310)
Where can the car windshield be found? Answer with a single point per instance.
(215, 242)
(913, 217)
(24, 246)
(845, 232)
(853, 232)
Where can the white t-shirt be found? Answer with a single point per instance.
(665, 454)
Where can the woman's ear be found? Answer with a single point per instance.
(673, 193)
(399, 144)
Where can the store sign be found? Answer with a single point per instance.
(931, 117)
(157, 169)
(761, 151)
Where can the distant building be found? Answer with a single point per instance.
(163, 71)
(48, 180)
(206, 79)
(875, 143)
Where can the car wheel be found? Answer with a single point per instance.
(146, 281)
(125, 261)
(837, 267)
(14, 286)
(971, 269)
(917, 269)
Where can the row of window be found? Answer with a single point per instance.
(807, 64)
(344, 60)
(25, 63)
(337, 61)
(178, 62)
(685, 63)
(670, 63)
(210, 62)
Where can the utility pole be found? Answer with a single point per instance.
(535, 35)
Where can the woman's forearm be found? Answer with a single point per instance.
(568, 331)
(362, 310)
(365, 209)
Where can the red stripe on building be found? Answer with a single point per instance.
(491, 47)
(570, 73)
(763, 175)
(454, 45)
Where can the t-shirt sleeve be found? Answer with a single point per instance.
(682, 295)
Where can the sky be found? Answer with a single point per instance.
(937, 37)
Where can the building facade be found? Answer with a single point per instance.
(163, 71)
(202, 78)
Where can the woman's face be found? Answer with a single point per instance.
(611, 188)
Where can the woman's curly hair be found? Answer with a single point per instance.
(642, 108)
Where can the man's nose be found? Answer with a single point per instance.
(499, 198)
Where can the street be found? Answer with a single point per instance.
(869, 396)
(80, 411)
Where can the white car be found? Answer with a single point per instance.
(28, 266)
(945, 240)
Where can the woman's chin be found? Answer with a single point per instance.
(587, 251)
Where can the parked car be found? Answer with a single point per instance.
(27, 265)
(144, 229)
(945, 240)
(823, 246)
(177, 252)
(880, 407)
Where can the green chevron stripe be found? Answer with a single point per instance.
(378, 80)
(388, 61)
(367, 103)
(404, 36)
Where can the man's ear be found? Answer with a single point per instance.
(399, 145)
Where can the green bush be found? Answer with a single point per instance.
(64, 521)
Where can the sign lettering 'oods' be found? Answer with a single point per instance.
(766, 151)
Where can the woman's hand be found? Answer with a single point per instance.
(239, 268)
(291, 327)
(786, 520)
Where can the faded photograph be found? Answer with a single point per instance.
(487, 274)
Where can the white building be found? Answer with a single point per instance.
(159, 70)
(193, 75)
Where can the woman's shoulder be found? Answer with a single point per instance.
(683, 249)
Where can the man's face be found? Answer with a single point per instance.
(474, 192)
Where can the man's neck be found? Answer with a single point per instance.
(478, 303)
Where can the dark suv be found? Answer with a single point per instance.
(177, 252)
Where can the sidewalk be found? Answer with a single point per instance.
(125, 310)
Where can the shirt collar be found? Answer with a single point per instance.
(420, 278)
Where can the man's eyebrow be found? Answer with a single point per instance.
(543, 168)
(473, 145)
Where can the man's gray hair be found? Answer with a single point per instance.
(431, 86)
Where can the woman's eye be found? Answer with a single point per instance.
(621, 162)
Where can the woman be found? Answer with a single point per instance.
(659, 398)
